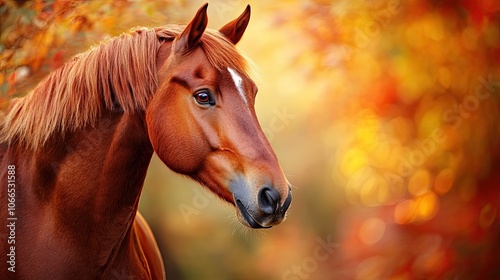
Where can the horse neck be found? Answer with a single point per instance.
(93, 179)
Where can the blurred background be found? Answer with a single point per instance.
(384, 115)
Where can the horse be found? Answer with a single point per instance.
(74, 152)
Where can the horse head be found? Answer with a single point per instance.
(202, 122)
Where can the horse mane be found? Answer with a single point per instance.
(119, 73)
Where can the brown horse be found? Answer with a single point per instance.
(74, 152)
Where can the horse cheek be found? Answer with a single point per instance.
(156, 126)
(175, 150)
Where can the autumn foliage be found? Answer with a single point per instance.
(384, 114)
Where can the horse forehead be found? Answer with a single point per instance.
(195, 70)
(197, 59)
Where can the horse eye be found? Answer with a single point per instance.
(204, 98)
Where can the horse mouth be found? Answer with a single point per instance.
(250, 221)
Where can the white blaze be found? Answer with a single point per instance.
(238, 82)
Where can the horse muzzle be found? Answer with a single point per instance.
(264, 209)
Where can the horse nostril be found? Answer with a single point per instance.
(268, 200)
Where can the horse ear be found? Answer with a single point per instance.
(235, 29)
(190, 37)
